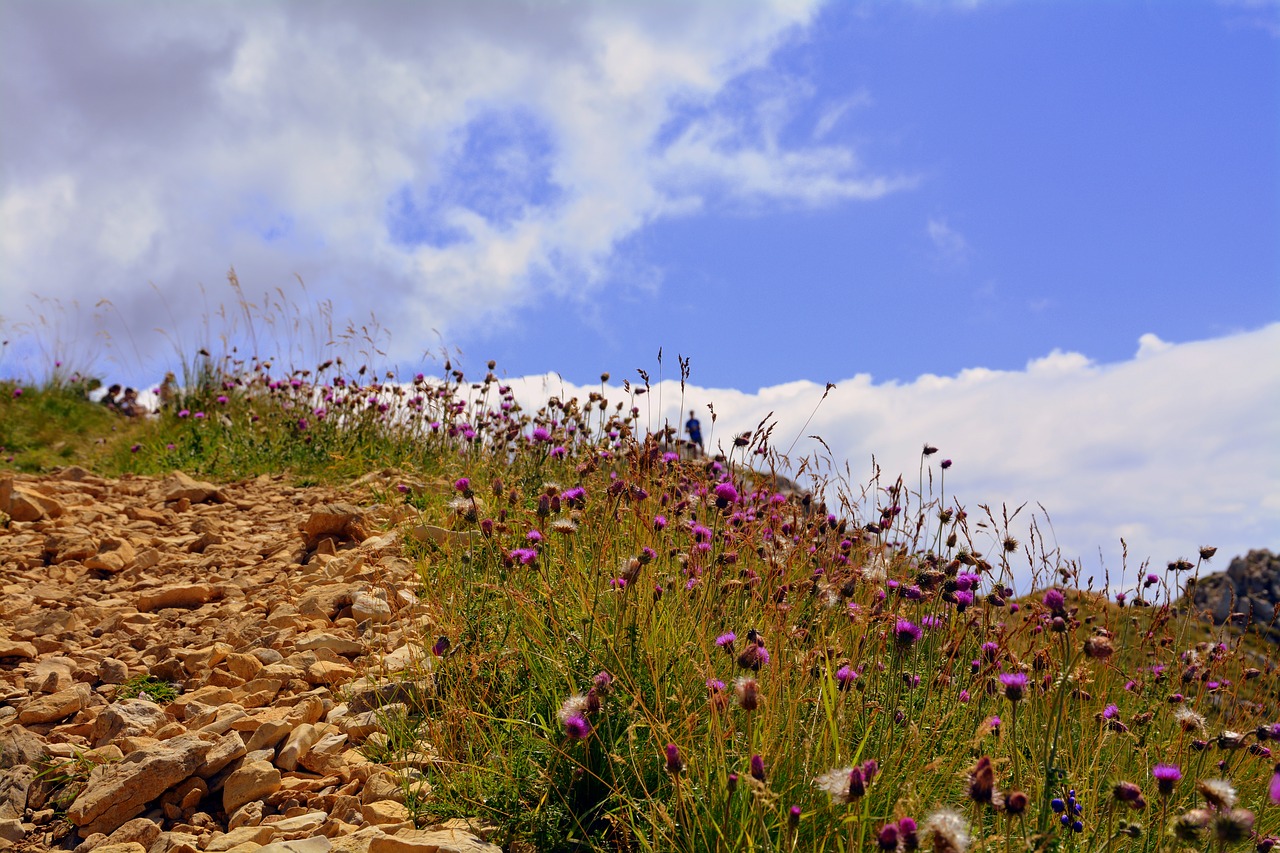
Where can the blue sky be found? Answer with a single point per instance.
(1042, 236)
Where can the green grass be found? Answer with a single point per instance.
(588, 626)
(148, 687)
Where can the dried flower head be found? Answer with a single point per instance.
(748, 692)
(1188, 720)
(1217, 793)
(982, 781)
(947, 831)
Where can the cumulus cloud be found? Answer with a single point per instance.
(443, 162)
(1173, 449)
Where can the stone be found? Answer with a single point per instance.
(114, 555)
(431, 841)
(253, 781)
(296, 745)
(19, 746)
(120, 847)
(182, 486)
(305, 822)
(140, 830)
(383, 812)
(23, 504)
(55, 706)
(366, 607)
(13, 830)
(14, 784)
(257, 835)
(113, 671)
(176, 595)
(224, 750)
(250, 814)
(127, 718)
(16, 649)
(314, 844)
(1247, 593)
(314, 640)
(337, 520)
(329, 672)
(124, 788)
(269, 735)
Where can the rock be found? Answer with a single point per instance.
(177, 595)
(269, 735)
(337, 520)
(113, 671)
(13, 830)
(55, 706)
(127, 718)
(314, 640)
(329, 672)
(19, 746)
(123, 847)
(140, 830)
(305, 822)
(254, 781)
(14, 784)
(383, 812)
(181, 486)
(126, 787)
(255, 834)
(16, 649)
(298, 743)
(366, 607)
(114, 555)
(431, 841)
(225, 750)
(315, 844)
(23, 504)
(1247, 593)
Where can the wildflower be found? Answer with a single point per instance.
(135, 448)
(887, 838)
(534, 536)
(184, 413)
(441, 646)
(1110, 712)
(982, 781)
(1167, 776)
(1055, 601)
(674, 764)
(906, 633)
(947, 831)
(1015, 685)
(577, 728)
(757, 768)
(602, 682)
(731, 783)
(753, 657)
(846, 676)
(1217, 793)
(1129, 794)
(17, 392)
(1015, 803)
(1187, 827)
(1233, 826)
(1273, 793)
(725, 494)
(1188, 720)
(946, 463)
(748, 692)
(1230, 740)
(725, 641)
(564, 526)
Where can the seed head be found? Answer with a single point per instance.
(748, 692)
(1217, 793)
(947, 831)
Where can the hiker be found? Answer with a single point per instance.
(694, 429)
(168, 391)
(109, 399)
(129, 406)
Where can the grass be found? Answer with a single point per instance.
(148, 687)
(644, 650)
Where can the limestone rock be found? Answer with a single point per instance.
(55, 706)
(431, 841)
(16, 649)
(126, 787)
(14, 784)
(1247, 593)
(177, 595)
(127, 718)
(181, 486)
(336, 520)
(253, 781)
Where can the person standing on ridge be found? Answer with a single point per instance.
(694, 429)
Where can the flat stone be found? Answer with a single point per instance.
(181, 485)
(314, 640)
(329, 672)
(314, 844)
(126, 787)
(383, 812)
(257, 835)
(55, 706)
(139, 830)
(366, 607)
(17, 649)
(177, 595)
(431, 841)
(120, 847)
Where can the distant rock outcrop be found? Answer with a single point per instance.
(1247, 593)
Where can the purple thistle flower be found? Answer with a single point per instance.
(441, 646)
(1015, 685)
(659, 522)
(906, 633)
(725, 641)
(1110, 712)
(725, 494)
(541, 434)
(1055, 600)
(846, 676)
(757, 768)
(533, 536)
(462, 484)
(1273, 792)
(1167, 776)
(577, 728)
(674, 764)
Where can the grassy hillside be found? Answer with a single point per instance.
(643, 650)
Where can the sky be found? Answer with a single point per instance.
(1041, 236)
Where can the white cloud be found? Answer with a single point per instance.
(1171, 450)
(949, 243)
(441, 162)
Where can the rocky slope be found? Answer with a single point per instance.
(1247, 593)
(289, 621)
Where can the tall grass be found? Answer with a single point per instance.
(649, 649)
